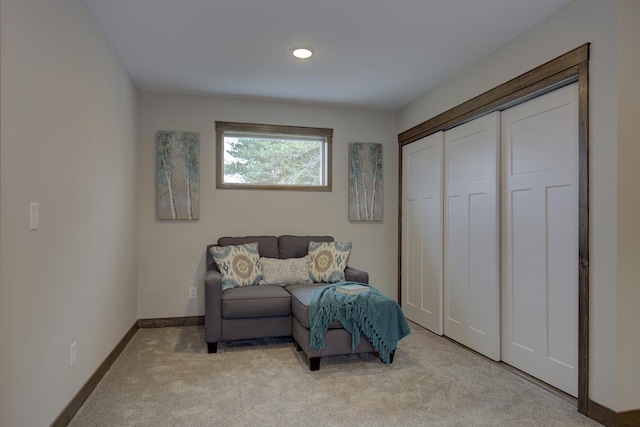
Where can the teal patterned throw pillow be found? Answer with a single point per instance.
(327, 261)
(239, 265)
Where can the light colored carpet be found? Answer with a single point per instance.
(165, 377)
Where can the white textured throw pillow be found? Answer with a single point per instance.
(291, 271)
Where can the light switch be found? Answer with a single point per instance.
(34, 216)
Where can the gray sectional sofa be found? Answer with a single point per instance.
(271, 310)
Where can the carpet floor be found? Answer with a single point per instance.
(164, 377)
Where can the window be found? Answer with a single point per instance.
(273, 157)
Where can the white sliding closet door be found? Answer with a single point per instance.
(540, 238)
(471, 251)
(422, 232)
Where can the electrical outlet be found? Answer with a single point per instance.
(72, 354)
(193, 292)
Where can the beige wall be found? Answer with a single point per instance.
(172, 255)
(628, 206)
(581, 21)
(68, 142)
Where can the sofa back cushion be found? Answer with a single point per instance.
(297, 246)
(267, 245)
(282, 247)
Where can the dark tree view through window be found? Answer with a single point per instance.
(269, 161)
(273, 157)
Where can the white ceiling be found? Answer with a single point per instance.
(369, 53)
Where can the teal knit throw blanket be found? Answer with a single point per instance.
(375, 315)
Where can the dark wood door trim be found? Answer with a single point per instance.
(400, 166)
(499, 97)
(571, 67)
(583, 237)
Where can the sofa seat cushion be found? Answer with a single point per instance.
(255, 301)
(300, 300)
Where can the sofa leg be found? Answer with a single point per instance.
(393, 353)
(212, 347)
(314, 363)
(298, 348)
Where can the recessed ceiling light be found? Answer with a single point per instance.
(302, 52)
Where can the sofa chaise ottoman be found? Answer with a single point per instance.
(337, 339)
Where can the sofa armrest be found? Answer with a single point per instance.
(212, 306)
(354, 275)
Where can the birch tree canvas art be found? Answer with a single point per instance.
(365, 181)
(178, 180)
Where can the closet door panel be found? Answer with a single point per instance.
(431, 298)
(471, 279)
(562, 286)
(540, 249)
(413, 254)
(422, 232)
(482, 265)
(527, 270)
(457, 282)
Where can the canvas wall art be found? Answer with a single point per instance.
(365, 181)
(178, 175)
